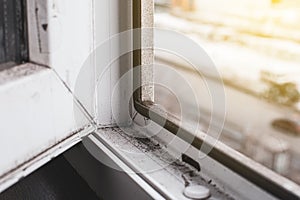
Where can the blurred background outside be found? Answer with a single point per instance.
(255, 45)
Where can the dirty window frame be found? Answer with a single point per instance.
(233, 160)
(19, 78)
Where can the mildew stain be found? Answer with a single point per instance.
(18, 72)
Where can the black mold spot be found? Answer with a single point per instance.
(45, 26)
(148, 145)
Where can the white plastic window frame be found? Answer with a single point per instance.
(40, 115)
(38, 102)
(250, 170)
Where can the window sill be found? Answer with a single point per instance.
(38, 123)
(155, 163)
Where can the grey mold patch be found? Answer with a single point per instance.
(19, 71)
(41, 19)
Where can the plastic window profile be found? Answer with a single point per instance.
(266, 179)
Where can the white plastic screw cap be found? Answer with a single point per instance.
(196, 192)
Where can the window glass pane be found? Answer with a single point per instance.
(255, 46)
(13, 36)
